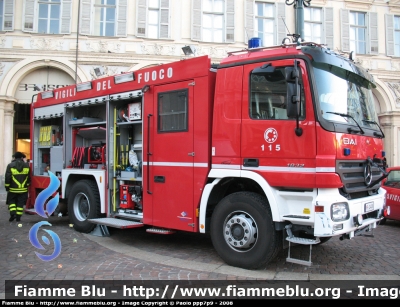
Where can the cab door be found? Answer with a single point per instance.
(270, 145)
(172, 156)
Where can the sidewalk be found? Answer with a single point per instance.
(3, 192)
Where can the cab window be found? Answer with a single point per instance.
(268, 95)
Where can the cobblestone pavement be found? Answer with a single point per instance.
(134, 254)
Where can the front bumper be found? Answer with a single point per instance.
(359, 219)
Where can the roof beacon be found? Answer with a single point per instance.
(254, 42)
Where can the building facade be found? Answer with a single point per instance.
(46, 44)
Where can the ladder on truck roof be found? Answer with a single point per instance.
(283, 45)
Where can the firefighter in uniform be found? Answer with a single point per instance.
(17, 180)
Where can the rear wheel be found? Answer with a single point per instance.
(242, 231)
(83, 204)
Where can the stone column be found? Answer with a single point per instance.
(390, 123)
(6, 133)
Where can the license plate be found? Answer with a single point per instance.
(368, 207)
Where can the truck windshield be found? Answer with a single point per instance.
(345, 97)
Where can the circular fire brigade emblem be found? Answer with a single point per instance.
(270, 135)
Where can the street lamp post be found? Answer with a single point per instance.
(77, 43)
(299, 7)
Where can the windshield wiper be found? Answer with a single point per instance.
(350, 130)
(375, 133)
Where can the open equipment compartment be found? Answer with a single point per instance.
(47, 140)
(127, 150)
(86, 123)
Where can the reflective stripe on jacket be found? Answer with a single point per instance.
(17, 178)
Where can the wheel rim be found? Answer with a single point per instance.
(81, 206)
(240, 231)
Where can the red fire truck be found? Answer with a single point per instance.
(271, 142)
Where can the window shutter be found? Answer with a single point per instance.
(389, 34)
(248, 20)
(328, 27)
(141, 18)
(66, 16)
(345, 30)
(8, 15)
(122, 11)
(279, 21)
(29, 16)
(164, 20)
(230, 21)
(373, 33)
(196, 20)
(86, 12)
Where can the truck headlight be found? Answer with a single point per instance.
(339, 212)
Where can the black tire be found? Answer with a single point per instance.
(383, 221)
(83, 204)
(239, 213)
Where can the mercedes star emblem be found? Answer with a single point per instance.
(367, 174)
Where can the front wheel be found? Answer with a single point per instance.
(242, 231)
(83, 204)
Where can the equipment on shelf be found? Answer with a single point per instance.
(96, 153)
(130, 196)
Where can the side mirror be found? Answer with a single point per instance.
(293, 105)
(292, 92)
(291, 100)
(291, 73)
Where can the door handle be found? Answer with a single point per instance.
(251, 162)
(159, 179)
(148, 153)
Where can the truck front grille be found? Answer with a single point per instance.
(352, 175)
